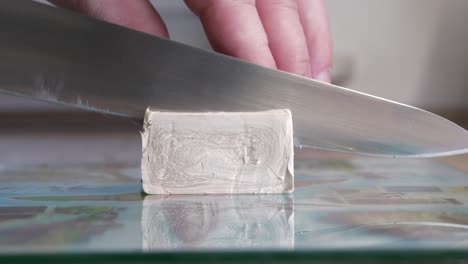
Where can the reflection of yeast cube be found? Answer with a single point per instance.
(218, 221)
(190, 153)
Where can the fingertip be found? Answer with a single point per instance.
(234, 28)
(314, 19)
(324, 76)
(286, 38)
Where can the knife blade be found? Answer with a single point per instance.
(60, 56)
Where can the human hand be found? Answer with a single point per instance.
(290, 35)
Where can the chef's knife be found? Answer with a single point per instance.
(60, 56)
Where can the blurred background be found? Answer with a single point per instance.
(414, 52)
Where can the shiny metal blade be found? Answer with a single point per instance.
(63, 57)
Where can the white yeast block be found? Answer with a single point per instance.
(218, 152)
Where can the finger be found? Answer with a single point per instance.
(286, 37)
(137, 14)
(314, 20)
(234, 28)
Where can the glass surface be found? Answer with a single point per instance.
(361, 207)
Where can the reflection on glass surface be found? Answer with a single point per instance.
(343, 204)
(240, 221)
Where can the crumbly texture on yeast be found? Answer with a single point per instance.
(219, 152)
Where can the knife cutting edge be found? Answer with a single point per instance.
(60, 56)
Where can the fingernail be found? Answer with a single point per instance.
(323, 76)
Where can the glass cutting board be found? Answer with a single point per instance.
(343, 210)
